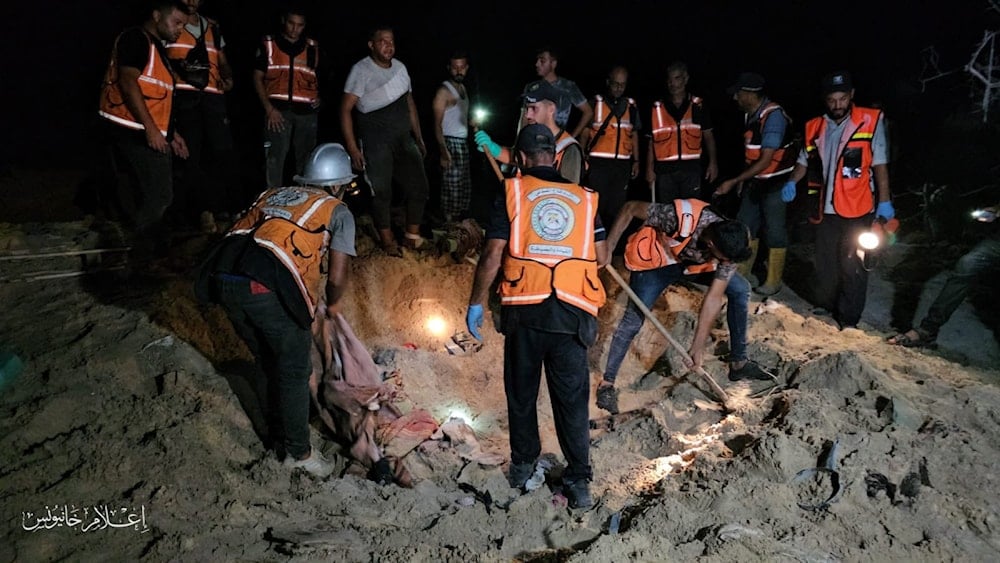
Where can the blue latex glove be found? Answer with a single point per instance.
(474, 320)
(484, 140)
(788, 191)
(885, 209)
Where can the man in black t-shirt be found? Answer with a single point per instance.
(136, 104)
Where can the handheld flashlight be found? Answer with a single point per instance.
(984, 215)
(479, 115)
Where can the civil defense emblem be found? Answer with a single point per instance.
(552, 219)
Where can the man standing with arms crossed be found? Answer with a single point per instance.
(451, 129)
(388, 127)
(569, 93)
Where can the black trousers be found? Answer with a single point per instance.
(526, 351)
(841, 279)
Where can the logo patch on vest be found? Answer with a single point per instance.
(552, 219)
(288, 197)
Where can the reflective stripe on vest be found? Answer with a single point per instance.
(673, 140)
(615, 141)
(156, 84)
(291, 79)
(293, 224)
(551, 249)
(752, 147)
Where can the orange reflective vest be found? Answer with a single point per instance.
(156, 83)
(853, 194)
(563, 142)
(291, 79)
(293, 223)
(676, 140)
(613, 140)
(551, 250)
(178, 50)
(649, 249)
(784, 157)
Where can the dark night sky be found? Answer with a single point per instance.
(52, 91)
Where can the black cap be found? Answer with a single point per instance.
(839, 81)
(541, 90)
(536, 138)
(748, 82)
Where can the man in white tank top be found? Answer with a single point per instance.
(451, 128)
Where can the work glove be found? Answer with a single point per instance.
(886, 210)
(474, 320)
(484, 140)
(788, 191)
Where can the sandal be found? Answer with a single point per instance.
(922, 339)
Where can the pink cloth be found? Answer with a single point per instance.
(355, 404)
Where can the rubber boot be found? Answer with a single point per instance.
(775, 269)
(744, 267)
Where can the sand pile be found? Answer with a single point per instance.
(132, 407)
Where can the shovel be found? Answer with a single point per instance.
(719, 391)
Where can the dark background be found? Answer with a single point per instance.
(57, 52)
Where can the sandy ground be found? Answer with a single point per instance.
(128, 436)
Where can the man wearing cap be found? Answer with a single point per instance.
(267, 273)
(769, 153)
(546, 235)
(846, 156)
(540, 108)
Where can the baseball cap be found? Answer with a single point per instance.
(839, 81)
(747, 81)
(541, 90)
(536, 138)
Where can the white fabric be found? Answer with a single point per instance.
(455, 122)
(377, 87)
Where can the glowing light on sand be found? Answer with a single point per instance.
(658, 469)
(461, 414)
(437, 325)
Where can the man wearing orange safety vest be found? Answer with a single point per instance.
(137, 105)
(682, 140)
(846, 155)
(282, 264)
(286, 78)
(612, 142)
(546, 239)
(203, 77)
(769, 152)
(540, 101)
(679, 238)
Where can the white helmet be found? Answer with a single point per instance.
(328, 165)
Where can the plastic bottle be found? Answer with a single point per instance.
(10, 368)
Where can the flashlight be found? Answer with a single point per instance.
(881, 232)
(984, 215)
(868, 240)
(479, 115)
